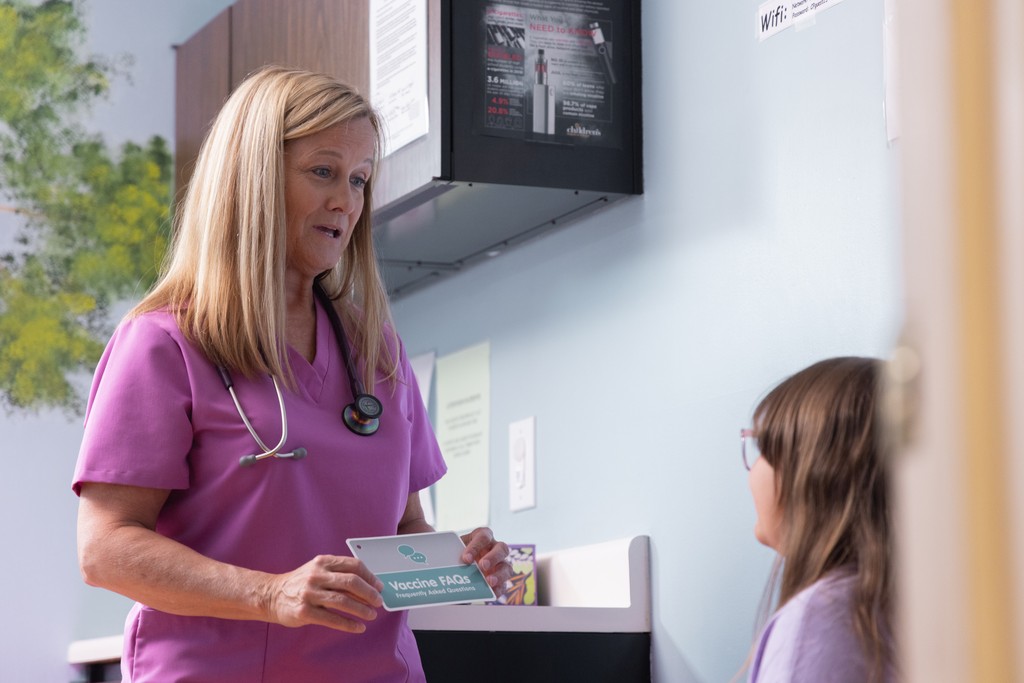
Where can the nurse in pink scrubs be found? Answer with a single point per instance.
(238, 564)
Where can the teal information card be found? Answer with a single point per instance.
(421, 569)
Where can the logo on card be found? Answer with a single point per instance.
(411, 553)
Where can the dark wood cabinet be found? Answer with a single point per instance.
(202, 83)
(319, 35)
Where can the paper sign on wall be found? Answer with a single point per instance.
(463, 430)
(398, 69)
(423, 367)
(774, 16)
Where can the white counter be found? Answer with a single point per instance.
(601, 588)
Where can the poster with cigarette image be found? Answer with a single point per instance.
(550, 72)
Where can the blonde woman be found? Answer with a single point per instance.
(256, 409)
(820, 493)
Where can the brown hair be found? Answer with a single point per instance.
(223, 279)
(820, 432)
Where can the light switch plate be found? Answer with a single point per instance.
(522, 460)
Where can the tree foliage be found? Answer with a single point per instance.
(95, 222)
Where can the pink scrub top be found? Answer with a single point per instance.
(160, 417)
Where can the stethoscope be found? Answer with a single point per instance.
(362, 416)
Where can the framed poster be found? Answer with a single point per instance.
(550, 72)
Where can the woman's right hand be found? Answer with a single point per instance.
(335, 591)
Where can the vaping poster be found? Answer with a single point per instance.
(550, 72)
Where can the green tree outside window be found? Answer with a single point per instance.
(94, 223)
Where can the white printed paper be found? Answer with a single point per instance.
(774, 16)
(463, 430)
(398, 69)
(423, 368)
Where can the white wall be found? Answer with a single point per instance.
(640, 337)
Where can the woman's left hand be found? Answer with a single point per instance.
(491, 555)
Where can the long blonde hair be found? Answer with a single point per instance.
(819, 430)
(224, 276)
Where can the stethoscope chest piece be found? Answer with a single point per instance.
(363, 416)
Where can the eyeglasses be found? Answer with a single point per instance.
(748, 448)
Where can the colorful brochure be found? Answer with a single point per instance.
(522, 587)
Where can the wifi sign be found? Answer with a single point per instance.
(773, 16)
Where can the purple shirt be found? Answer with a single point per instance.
(812, 639)
(160, 417)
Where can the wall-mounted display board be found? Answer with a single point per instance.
(533, 113)
(546, 76)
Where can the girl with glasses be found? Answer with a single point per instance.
(820, 492)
